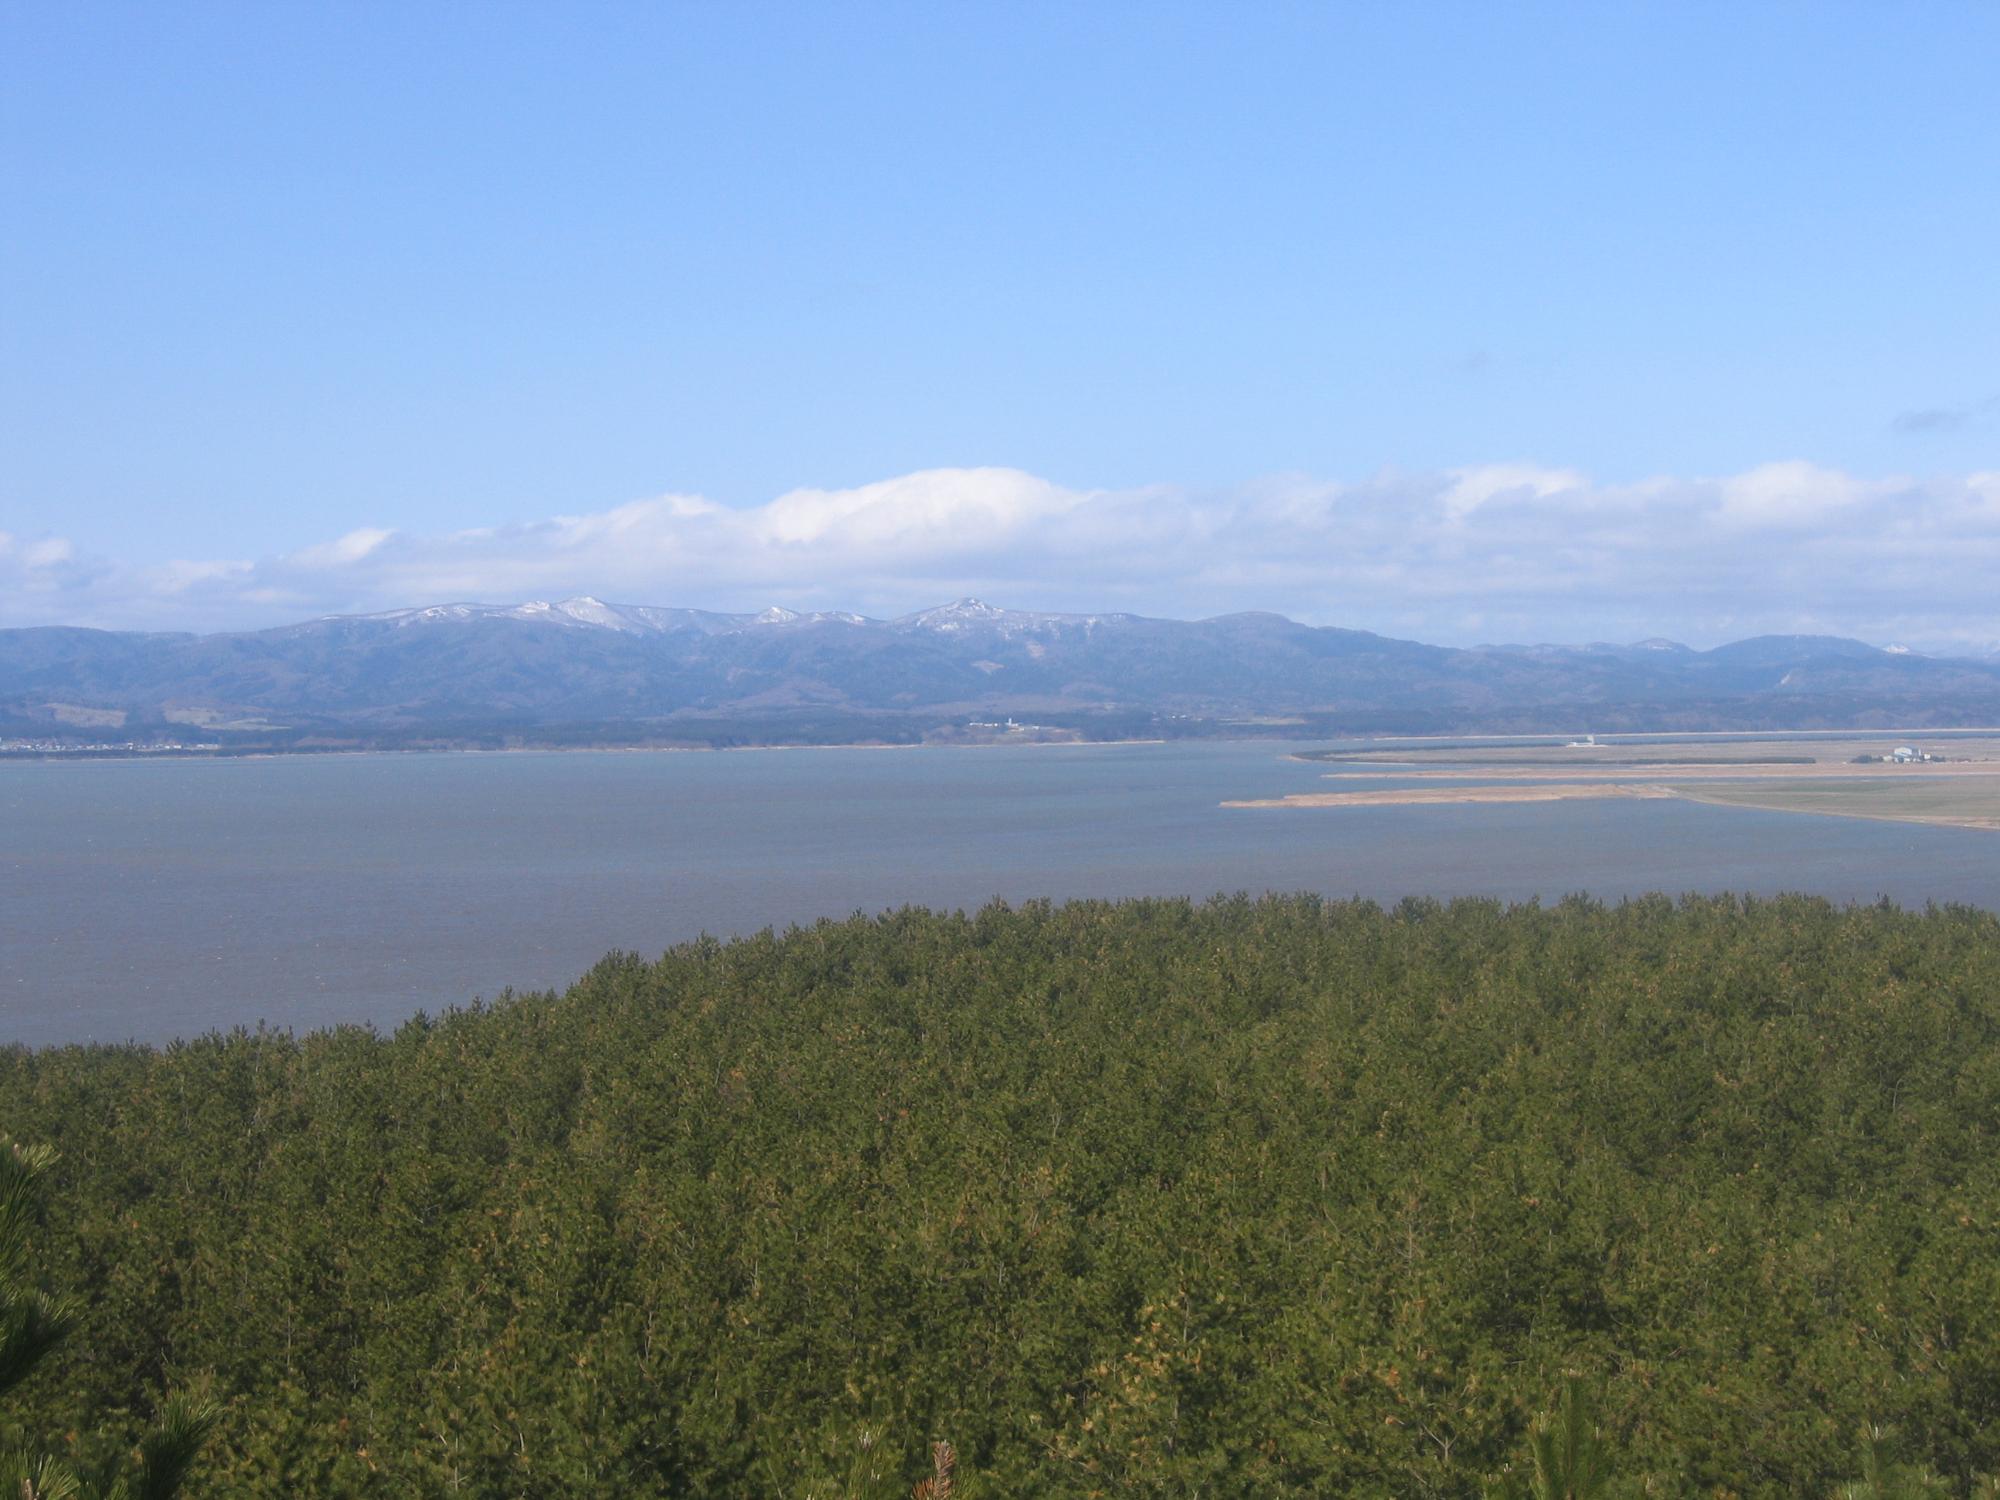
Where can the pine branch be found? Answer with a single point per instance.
(169, 1450)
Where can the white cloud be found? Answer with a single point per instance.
(351, 548)
(180, 577)
(1498, 551)
(1795, 495)
(1516, 483)
(950, 510)
(49, 552)
(35, 573)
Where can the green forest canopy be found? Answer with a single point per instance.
(1272, 1197)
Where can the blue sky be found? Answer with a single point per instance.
(313, 306)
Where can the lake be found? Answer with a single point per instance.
(148, 899)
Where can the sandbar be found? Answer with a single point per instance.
(1418, 795)
(1969, 799)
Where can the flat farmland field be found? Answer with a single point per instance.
(1963, 801)
(1804, 755)
(1836, 776)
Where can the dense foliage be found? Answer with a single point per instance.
(1275, 1197)
(33, 1324)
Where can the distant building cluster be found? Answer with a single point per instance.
(99, 747)
(1902, 755)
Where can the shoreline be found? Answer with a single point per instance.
(1455, 796)
(1363, 750)
(1544, 791)
(1976, 823)
(1642, 738)
(126, 757)
(1689, 771)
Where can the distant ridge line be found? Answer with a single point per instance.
(583, 667)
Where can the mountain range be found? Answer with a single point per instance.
(584, 671)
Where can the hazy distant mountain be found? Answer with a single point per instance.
(556, 670)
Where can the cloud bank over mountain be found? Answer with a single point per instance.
(1493, 552)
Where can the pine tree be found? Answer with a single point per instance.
(1567, 1453)
(1883, 1479)
(33, 1322)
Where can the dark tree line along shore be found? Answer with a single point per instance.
(1273, 1197)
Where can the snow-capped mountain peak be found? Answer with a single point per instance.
(958, 610)
(588, 611)
(957, 615)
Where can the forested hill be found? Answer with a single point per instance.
(1273, 1197)
(582, 671)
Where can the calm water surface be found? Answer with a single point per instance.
(152, 899)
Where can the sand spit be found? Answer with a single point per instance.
(1949, 802)
(1841, 775)
(1958, 806)
(1685, 771)
(1410, 796)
